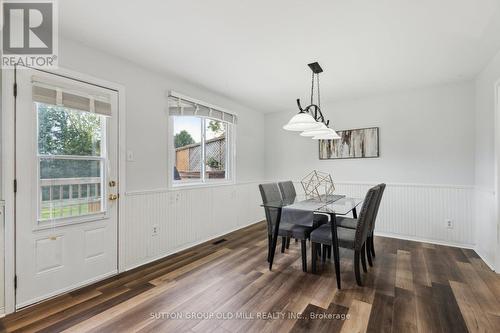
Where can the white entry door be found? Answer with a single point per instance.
(66, 172)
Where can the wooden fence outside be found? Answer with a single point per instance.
(188, 159)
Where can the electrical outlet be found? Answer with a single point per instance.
(449, 224)
(154, 230)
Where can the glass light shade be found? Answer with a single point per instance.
(321, 130)
(302, 122)
(331, 135)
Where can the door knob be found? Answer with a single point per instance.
(113, 197)
(112, 183)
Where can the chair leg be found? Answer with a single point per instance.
(269, 242)
(313, 257)
(329, 253)
(288, 243)
(296, 240)
(323, 254)
(283, 244)
(363, 258)
(303, 247)
(357, 273)
(372, 247)
(368, 253)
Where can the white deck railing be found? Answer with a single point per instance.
(74, 193)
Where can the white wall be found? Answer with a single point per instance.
(426, 157)
(486, 218)
(426, 137)
(183, 217)
(146, 115)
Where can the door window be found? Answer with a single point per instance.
(71, 162)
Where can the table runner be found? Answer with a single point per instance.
(302, 212)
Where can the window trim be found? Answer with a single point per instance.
(201, 183)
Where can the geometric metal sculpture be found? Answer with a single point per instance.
(318, 185)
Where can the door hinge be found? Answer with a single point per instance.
(15, 89)
(15, 185)
(15, 281)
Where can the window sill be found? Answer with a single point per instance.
(187, 186)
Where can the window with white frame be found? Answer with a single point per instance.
(71, 151)
(201, 142)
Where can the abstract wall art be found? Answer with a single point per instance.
(354, 143)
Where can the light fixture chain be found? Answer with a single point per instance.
(319, 100)
(312, 87)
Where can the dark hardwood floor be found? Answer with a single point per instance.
(413, 287)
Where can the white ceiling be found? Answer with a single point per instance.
(256, 51)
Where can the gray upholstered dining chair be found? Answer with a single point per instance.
(351, 223)
(354, 239)
(271, 192)
(287, 190)
(289, 194)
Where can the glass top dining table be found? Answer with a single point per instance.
(331, 205)
(338, 204)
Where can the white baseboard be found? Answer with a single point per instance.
(425, 240)
(486, 261)
(430, 241)
(2, 312)
(185, 247)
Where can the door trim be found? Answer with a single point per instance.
(8, 171)
(496, 145)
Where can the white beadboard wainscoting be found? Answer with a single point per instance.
(186, 217)
(183, 217)
(419, 212)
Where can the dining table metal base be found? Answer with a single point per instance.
(275, 239)
(335, 246)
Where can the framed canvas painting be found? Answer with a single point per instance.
(354, 143)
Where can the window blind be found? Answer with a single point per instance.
(78, 99)
(178, 106)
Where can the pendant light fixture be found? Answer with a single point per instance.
(310, 120)
(302, 122)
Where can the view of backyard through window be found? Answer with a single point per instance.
(200, 149)
(70, 149)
